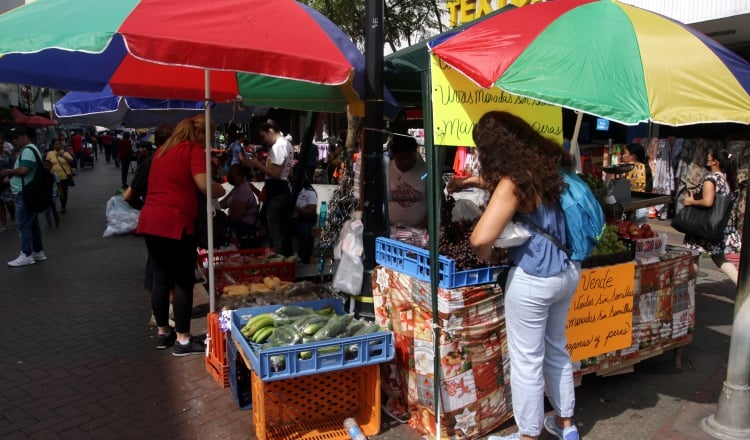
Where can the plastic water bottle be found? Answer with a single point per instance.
(352, 428)
(323, 213)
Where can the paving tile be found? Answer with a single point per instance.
(78, 357)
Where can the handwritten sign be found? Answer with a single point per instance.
(600, 319)
(457, 103)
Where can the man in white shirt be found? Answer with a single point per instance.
(407, 183)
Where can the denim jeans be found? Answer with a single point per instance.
(27, 222)
(536, 310)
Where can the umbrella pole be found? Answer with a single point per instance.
(209, 204)
(574, 149)
(434, 173)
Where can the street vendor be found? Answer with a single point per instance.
(407, 183)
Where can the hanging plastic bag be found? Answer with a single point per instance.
(350, 271)
(121, 217)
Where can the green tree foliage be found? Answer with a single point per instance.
(406, 21)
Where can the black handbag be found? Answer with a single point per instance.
(706, 223)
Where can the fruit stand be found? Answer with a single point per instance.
(635, 300)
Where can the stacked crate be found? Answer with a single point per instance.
(474, 364)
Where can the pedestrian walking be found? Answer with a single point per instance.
(27, 221)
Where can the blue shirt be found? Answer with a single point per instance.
(539, 256)
(25, 159)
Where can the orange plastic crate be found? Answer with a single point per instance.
(216, 356)
(314, 407)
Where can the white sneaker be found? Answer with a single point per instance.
(38, 256)
(22, 260)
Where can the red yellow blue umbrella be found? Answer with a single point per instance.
(604, 58)
(277, 53)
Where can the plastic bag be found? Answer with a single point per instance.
(350, 271)
(121, 217)
(514, 234)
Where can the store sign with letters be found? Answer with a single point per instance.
(600, 319)
(457, 103)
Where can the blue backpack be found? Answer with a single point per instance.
(584, 219)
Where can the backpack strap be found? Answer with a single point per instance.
(539, 230)
(37, 159)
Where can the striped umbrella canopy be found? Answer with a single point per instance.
(105, 109)
(277, 53)
(604, 58)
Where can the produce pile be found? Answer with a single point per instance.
(454, 239)
(610, 243)
(629, 230)
(283, 293)
(291, 325)
(250, 271)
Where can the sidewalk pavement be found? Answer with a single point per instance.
(78, 358)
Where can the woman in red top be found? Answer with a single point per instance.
(167, 221)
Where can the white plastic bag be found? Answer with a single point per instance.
(121, 217)
(350, 271)
(514, 234)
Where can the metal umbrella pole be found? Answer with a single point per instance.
(209, 204)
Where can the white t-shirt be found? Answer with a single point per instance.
(306, 197)
(407, 194)
(281, 154)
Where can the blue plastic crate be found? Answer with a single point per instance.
(354, 351)
(239, 377)
(415, 261)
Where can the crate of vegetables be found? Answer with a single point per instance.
(292, 340)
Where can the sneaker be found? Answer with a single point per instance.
(22, 260)
(38, 256)
(164, 341)
(195, 346)
(569, 433)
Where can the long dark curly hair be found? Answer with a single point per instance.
(507, 146)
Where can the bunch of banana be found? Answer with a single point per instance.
(258, 328)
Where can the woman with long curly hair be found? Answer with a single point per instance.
(167, 221)
(522, 171)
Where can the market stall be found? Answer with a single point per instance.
(508, 49)
(620, 315)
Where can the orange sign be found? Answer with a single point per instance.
(600, 319)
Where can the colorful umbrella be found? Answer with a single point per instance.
(106, 109)
(275, 53)
(279, 53)
(605, 58)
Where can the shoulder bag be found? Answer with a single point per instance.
(69, 177)
(706, 223)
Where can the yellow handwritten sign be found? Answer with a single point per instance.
(600, 319)
(457, 103)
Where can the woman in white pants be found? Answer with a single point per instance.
(521, 169)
